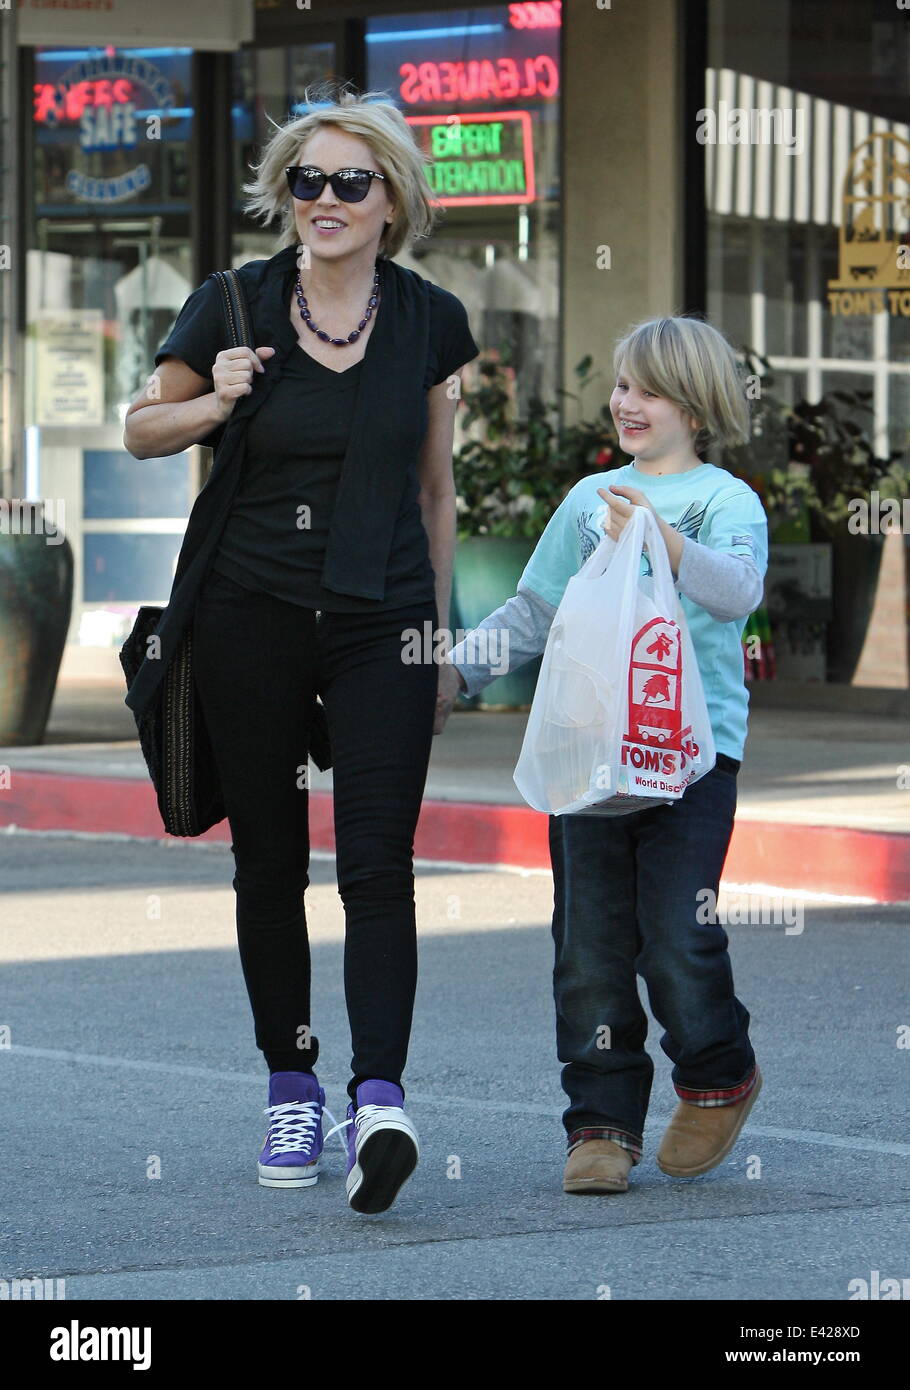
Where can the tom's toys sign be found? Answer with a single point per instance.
(874, 236)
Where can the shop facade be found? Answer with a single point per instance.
(596, 165)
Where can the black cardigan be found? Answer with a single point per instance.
(387, 431)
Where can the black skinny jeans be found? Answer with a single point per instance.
(257, 661)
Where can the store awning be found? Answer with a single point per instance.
(128, 23)
(799, 175)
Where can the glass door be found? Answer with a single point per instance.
(108, 269)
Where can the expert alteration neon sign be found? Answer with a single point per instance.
(482, 158)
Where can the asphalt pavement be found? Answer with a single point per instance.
(132, 1097)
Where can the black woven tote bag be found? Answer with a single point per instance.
(172, 732)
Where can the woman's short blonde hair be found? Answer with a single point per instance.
(690, 363)
(375, 118)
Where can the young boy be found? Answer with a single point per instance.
(629, 890)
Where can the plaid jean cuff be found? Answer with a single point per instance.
(622, 1137)
(729, 1095)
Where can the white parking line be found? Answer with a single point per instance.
(796, 1136)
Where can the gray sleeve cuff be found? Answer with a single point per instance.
(507, 639)
(729, 587)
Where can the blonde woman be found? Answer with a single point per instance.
(632, 893)
(336, 540)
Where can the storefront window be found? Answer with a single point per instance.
(806, 212)
(808, 189)
(108, 267)
(268, 84)
(111, 218)
(480, 87)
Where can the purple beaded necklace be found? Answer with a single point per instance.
(326, 337)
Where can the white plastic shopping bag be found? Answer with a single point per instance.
(618, 721)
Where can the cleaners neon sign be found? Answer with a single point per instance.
(486, 79)
(479, 159)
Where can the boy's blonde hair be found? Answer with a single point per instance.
(690, 363)
(375, 118)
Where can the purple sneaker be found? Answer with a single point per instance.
(382, 1146)
(290, 1154)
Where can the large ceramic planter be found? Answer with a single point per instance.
(856, 561)
(487, 570)
(36, 596)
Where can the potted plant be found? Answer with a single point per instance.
(813, 462)
(36, 594)
(511, 473)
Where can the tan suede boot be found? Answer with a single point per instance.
(597, 1165)
(699, 1137)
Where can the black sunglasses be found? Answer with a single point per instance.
(350, 185)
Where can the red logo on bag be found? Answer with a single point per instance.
(655, 686)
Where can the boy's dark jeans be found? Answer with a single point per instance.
(629, 892)
(257, 661)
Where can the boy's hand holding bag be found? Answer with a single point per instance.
(618, 721)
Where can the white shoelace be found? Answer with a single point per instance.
(368, 1112)
(292, 1125)
(365, 1112)
(334, 1130)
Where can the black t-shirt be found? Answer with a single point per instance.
(275, 537)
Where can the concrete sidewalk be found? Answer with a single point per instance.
(824, 799)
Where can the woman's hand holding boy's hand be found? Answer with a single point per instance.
(451, 683)
(621, 510)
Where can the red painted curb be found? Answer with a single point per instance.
(821, 859)
(799, 858)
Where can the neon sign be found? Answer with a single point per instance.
(478, 159)
(49, 101)
(536, 15)
(105, 111)
(499, 79)
(100, 93)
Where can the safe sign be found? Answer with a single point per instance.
(108, 127)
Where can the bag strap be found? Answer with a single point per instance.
(664, 585)
(236, 309)
(238, 322)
